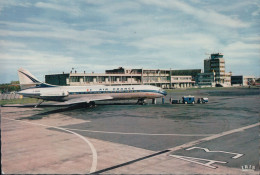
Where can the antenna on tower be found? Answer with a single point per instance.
(207, 53)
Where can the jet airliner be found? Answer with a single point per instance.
(32, 87)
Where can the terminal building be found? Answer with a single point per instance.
(214, 75)
(240, 80)
(165, 78)
(214, 72)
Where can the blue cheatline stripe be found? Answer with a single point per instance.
(107, 92)
(44, 85)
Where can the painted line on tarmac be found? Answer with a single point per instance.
(143, 134)
(130, 162)
(94, 152)
(192, 143)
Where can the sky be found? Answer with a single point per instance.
(48, 37)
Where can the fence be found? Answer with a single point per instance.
(10, 96)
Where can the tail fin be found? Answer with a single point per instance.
(27, 80)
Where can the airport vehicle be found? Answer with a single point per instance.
(203, 100)
(188, 99)
(175, 101)
(32, 87)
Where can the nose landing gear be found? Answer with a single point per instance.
(38, 104)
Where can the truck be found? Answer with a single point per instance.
(188, 99)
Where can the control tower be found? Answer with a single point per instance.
(214, 72)
(216, 63)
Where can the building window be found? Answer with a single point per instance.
(74, 79)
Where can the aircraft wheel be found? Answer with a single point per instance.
(92, 104)
(141, 102)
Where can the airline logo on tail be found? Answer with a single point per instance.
(27, 80)
(31, 78)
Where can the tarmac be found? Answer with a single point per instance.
(220, 137)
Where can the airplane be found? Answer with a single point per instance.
(32, 87)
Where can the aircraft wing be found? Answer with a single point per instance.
(88, 99)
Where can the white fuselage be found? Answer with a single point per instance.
(64, 93)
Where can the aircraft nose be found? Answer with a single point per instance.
(164, 93)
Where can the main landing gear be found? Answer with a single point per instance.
(140, 102)
(92, 104)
